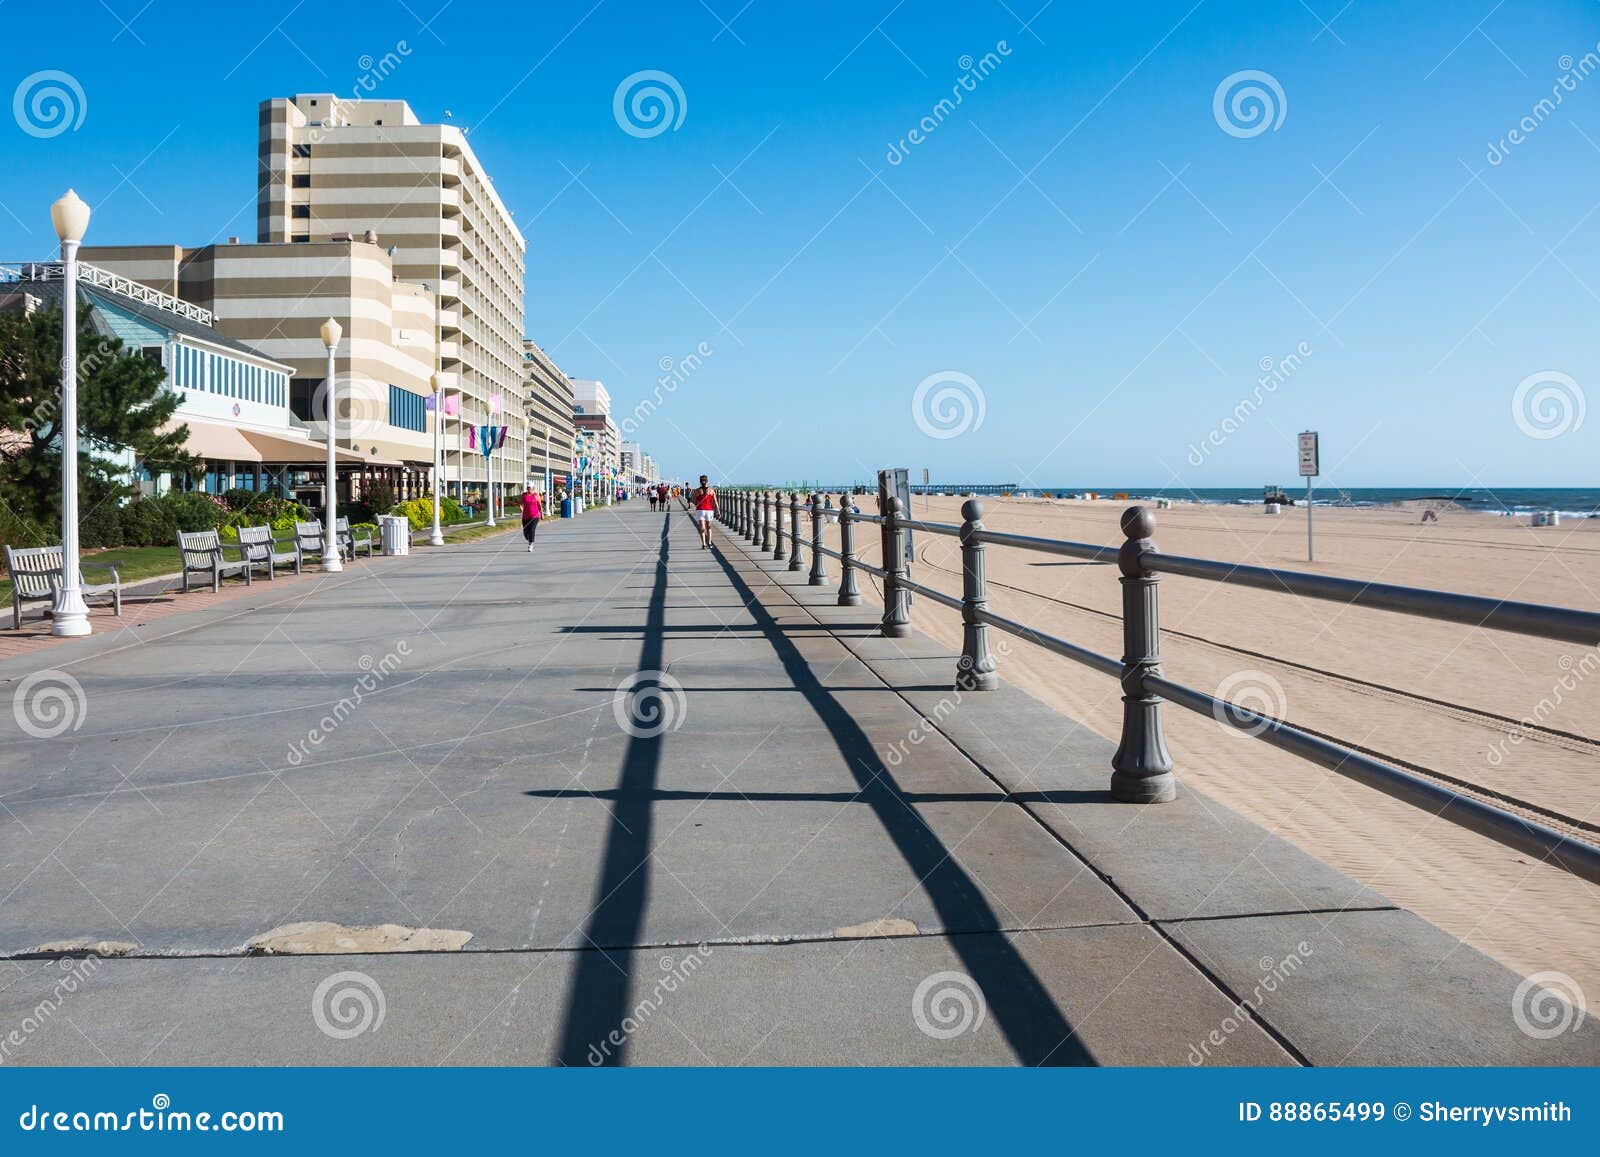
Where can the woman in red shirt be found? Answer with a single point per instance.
(704, 503)
(531, 513)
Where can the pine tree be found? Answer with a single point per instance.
(122, 405)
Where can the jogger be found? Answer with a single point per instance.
(531, 513)
(704, 504)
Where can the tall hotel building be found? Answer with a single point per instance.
(336, 168)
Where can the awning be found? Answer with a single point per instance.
(301, 451)
(277, 449)
(217, 442)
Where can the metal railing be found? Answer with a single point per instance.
(1142, 768)
(105, 279)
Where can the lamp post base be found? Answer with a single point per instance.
(332, 566)
(69, 617)
(436, 538)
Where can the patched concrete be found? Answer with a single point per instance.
(325, 938)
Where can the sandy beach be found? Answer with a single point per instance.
(1435, 697)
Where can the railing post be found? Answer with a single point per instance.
(743, 529)
(753, 531)
(819, 568)
(768, 498)
(896, 613)
(849, 592)
(795, 562)
(1142, 767)
(975, 671)
(778, 552)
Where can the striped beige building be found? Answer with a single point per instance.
(275, 297)
(332, 167)
(548, 405)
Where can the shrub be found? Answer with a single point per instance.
(148, 522)
(379, 495)
(419, 512)
(101, 525)
(257, 507)
(195, 511)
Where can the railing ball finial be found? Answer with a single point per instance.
(1139, 522)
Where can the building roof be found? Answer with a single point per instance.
(172, 322)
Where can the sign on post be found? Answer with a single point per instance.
(1310, 467)
(896, 482)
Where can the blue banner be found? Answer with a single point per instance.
(667, 1111)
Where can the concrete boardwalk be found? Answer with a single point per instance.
(815, 854)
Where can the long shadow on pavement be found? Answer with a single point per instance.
(599, 999)
(1032, 1023)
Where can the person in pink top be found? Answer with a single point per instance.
(531, 513)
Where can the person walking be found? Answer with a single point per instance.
(703, 501)
(531, 513)
(662, 491)
(652, 498)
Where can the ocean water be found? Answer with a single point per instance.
(1570, 502)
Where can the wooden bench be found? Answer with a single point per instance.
(260, 549)
(308, 538)
(36, 574)
(202, 554)
(351, 543)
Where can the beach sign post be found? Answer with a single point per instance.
(1310, 467)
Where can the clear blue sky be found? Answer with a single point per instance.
(1080, 237)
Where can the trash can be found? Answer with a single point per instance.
(396, 533)
(566, 507)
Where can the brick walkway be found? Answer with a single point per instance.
(149, 606)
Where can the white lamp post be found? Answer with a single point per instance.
(70, 615)
(488, 474)
(332, 331)
(437, 537)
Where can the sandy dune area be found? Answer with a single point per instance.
(1513, 716)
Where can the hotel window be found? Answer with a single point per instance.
(300, 212)
(303, 152)
(301, 238)
(302, 391)
(407, 411)
(301, 180)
